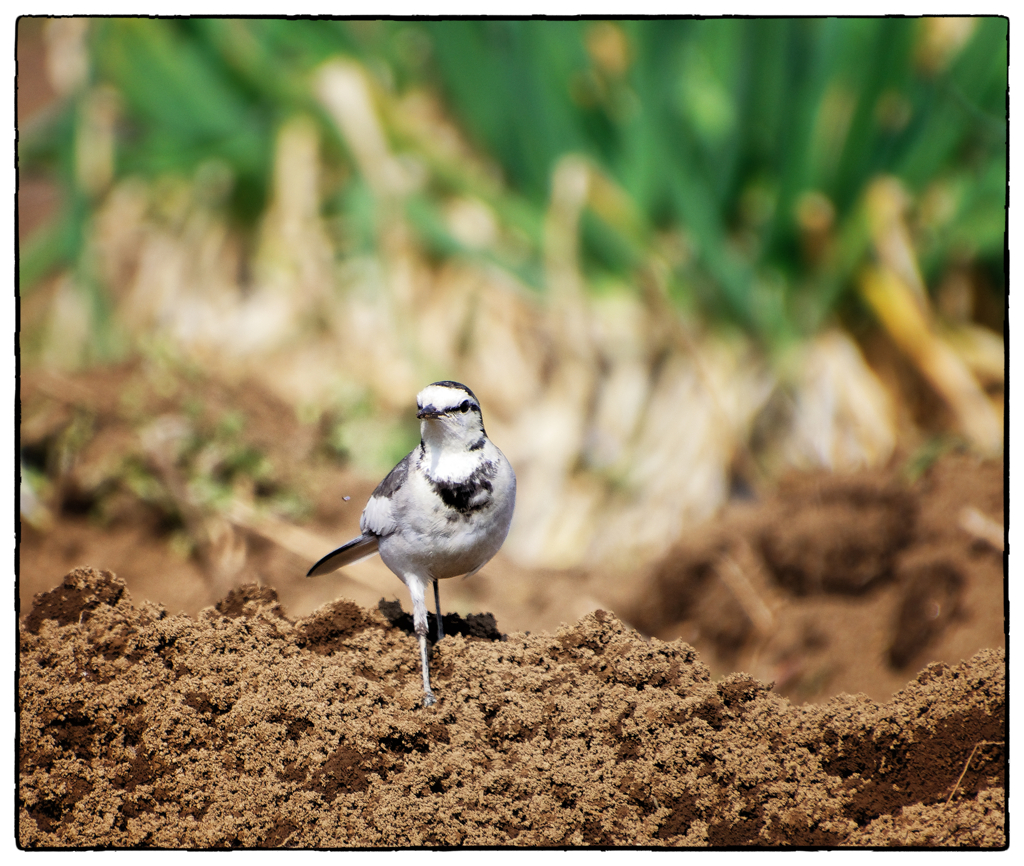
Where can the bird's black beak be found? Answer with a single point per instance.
(428, 412)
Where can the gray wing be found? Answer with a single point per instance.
(379, 515)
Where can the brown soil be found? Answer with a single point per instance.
(838, 583)
(244, 728)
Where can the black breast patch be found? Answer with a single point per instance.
(469, 495)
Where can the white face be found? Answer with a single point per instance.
(449, 409)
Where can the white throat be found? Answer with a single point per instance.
(446, 451)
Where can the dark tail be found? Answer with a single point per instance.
(353, 551)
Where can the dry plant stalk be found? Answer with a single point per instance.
(967, 764)
(895, 291)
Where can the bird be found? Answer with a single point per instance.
(443, 511)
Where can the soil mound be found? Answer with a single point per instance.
(838, 582)
(242, 728)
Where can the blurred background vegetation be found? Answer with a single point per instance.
(737, 149)
(674, 257)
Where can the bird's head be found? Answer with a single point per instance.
(449, 413)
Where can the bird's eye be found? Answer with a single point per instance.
(464, 407)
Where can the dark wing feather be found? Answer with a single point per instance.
(353, 551)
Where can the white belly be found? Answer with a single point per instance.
(435, 544)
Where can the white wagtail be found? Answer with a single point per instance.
(443, 511)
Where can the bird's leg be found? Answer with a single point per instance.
(419, 621)
(437, 607)
(428, 696)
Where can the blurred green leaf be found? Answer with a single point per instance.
(715, 130)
